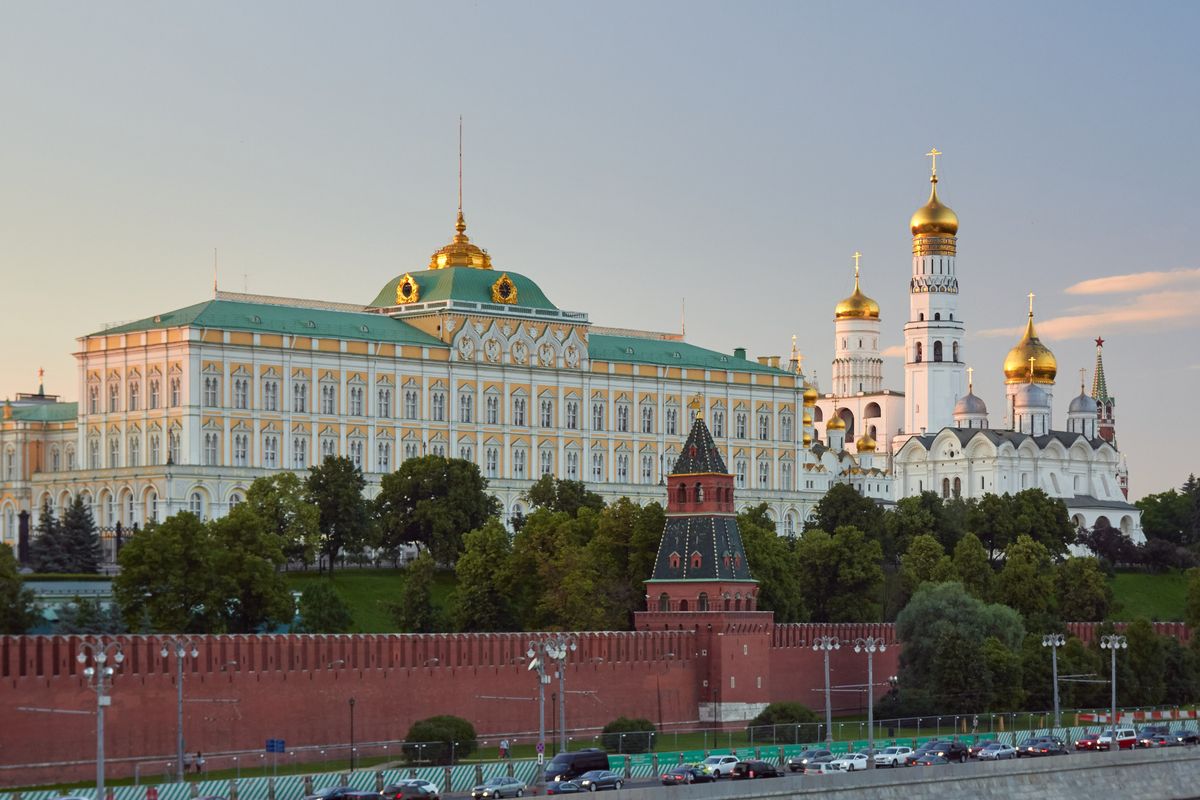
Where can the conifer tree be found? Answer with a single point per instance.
(48, 551)
(80, 538)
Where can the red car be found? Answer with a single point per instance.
(1087, 742)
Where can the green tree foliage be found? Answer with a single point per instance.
(80, 538)
(1026, 583)
(1144, 681)
(840, 575)
(1075, 658)
(1191, 613)
(1181, 672)
(990, 519)
(1044, 519)
(764, 728)
(842, 506)
(773, 562)
(414, 613)
(48, 551)
(480, 601)
(1169, 516)
(323, 610)
(444, 738)
(433, 500)
(84, 616)
(943, 665)
(621, 551)
(1082, 590)
(925, 561)
(335, 488)
(624, 735)
(972, 566)
(281, 502)
(248, 556)
(568, 497)
(17, 610)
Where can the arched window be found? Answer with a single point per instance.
(702, 602)
(954, 351)
(683, 605)
(957, 487)
(920, 352)
(682, 493)
(697, 561)
(937, 317)
(664, 602)
(945, 487)
(937, 351)
(699, 493)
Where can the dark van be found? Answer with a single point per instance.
(569, 766)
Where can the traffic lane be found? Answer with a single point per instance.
(629, 783)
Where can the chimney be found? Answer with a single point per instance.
(764, 361)
(775, 361)
(739, 352)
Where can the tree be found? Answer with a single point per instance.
(991, 520)
(249, 555)
(764, 727)
(79, 537)
(17, 610)
(1082, 590)
(840, 575)
(567, 496)
(842, 506)
(171, 578)
(925, 562)
(1026, 583)
(335, 487)
(48, 551)
(445, 739)
(1108, 543)
(1191, 611)
(972, 566)
(1168, 515)
(480, 602)
(622, 549)
(281, 503)
(414, 613)
(433, 500)
(1144, 682)
(626, 735)
(86, 616)
(772, 559)
(1044, 519)
(322, 609)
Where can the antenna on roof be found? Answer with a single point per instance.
(683, 317)
(460, 163)
(214, 272)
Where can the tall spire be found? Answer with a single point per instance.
(1099, 385)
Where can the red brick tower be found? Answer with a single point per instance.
(702, 581)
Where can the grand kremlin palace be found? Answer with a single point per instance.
(183, 410)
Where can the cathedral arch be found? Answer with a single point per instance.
(1127, 525)
(818, 415)
(872, 411)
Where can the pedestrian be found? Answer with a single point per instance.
(199, 762)
(504, 748)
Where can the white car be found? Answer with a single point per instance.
(721, 766)
(893, 756)
(823, 768)
(851, 762)
(997, 752)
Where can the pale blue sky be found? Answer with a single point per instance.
(623, 155)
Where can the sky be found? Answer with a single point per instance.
(633, 158)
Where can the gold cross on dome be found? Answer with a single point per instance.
(933, 154)
(1082, 378)
(970, 378)
(1031, 360)
(1031, 296)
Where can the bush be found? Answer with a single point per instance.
(638, 735)
(442, 738)
(800, 722)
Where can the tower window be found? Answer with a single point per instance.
(920, 351)
(937, 351)
(954, 347)
(937, 316)
(921, 317)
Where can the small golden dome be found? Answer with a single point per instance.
(934, 218)
(1016, 363)
(460, 252)
(857, 305)
(807, 418)
(810, 396)
(866, 443)
(807, 439)
(835, 423)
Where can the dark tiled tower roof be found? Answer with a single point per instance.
(700, 453)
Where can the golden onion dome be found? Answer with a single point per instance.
(460, 252)
(934, 218)
(810, 396)
(857, 305)
(807, 419)
(866, 443)
(807, 439)
(1017, 368)
(836, 423)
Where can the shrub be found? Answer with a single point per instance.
(638, 735)
(441, 738)
(799, 724)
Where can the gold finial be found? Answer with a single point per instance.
(933, 154)
(1031, 296)
(696, 404)
(460, 166)
(970, 380)
(857, 256)
(1082, 380)
(1032, 359)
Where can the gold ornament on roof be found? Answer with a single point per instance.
(807, 440)
(810, 396)
(866, 443)
(857, 305)
(1030, 361)
(407, 290)
(934, 225)
(504, 290)
(696, 404)
(836, 423)
(461, 252)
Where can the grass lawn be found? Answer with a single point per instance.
(369, 591)
(1155, 597)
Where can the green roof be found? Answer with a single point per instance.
(46, 412)
(463, 283)
(266, 318)
(668, 353)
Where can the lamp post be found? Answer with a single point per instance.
(352, 734)
(870, 645)
(181, 646)
(824, 644)
(1055, 641)
(99, 677)
(1114, 643)
(555, 646)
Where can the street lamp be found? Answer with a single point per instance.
(352, 734)
(181, 646)
(1055, 641)
(824, 644)
(555, 646)
(1114, 643)
(870, 645)
(99, 679)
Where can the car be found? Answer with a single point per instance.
(499, 786)
(563, 787)
(997, 751)
(819, 764)
(721, 766)
(746, 770)
(852, 762)
(411, 790)
(362, 795)
(931, 760)
(895, 756)
(798, 762)
(1126, 739)
(1187, 736)
(1155, 736)
(1051, 746)
(1087, 741)
(329, 793)
(949, 749)
(600, 779)
(678, 775)
(973, 749)
(569, 766)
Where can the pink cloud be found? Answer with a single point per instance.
(895, 351)
(1158, 308)
(1134, 282)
